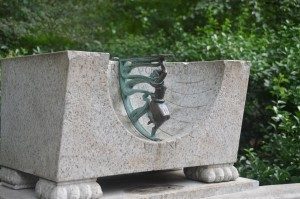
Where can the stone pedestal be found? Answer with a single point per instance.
(16, 179)
(64, 190)
(212, 173)
(63, 121)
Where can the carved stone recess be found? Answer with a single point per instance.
(16, 179)
(88, 189)
(212, 173)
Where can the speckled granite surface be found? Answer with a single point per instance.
(62, 119)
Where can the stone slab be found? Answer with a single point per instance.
(286, 191)
(153, 185)
(283, 191)
(6, 193)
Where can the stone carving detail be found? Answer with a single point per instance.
(16, 179)
(212, 173)
(90, 189)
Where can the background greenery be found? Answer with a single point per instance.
(265, 32)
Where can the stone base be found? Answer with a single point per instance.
(158, 185)
(16, 179)
(212, 173)
(88, 189)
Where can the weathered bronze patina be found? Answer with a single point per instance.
(154, 106)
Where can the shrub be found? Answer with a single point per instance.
(267, 33)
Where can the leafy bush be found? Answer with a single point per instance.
(277, 160)
(267, 33)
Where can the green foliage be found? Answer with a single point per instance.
(277, 160)
(267, 33)
(255, 167)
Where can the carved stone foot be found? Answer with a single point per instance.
(16, 179)
(212, 173)
(87, 189)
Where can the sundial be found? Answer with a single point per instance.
(71, 117)
(174, 91)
